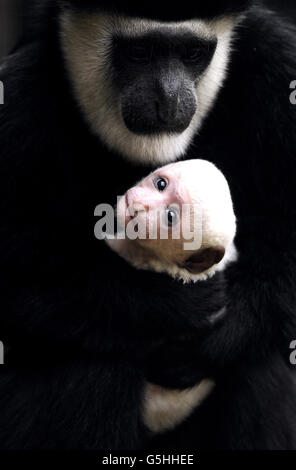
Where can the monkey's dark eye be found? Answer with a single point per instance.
(171, 217)
(161, 184)
(139, 54)
(192, 55)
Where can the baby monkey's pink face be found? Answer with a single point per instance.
(159, 217)
(156, 205)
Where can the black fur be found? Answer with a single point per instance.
(82, 329)
(162, 11)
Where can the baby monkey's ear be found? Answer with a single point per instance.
(205, 259)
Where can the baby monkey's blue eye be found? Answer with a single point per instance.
(172, 217)
(161, 184)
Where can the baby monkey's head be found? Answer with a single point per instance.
(178, 220)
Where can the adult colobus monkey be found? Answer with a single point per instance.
(96, 94)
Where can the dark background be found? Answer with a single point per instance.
(11, 12)
(10, 23)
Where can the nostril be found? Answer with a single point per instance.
(133, 214)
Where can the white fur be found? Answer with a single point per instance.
(86, 40)
(170, 268)
(165, 409)
(182, 274)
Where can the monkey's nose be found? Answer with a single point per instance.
(137, 201)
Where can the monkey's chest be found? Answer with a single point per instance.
(164, 409)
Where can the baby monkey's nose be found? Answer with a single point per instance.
(138, 200)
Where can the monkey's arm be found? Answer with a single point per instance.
(260, 316)
(72, 404)
(240, 411)
(261, 294)
(247, 353)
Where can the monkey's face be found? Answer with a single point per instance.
(156, 206)
(156, 75)
(145, 86)
(179, 219)
(157, 212)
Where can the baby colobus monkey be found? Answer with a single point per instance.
(192, 201)
(178, 220)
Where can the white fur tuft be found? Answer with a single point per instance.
(165, 409)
